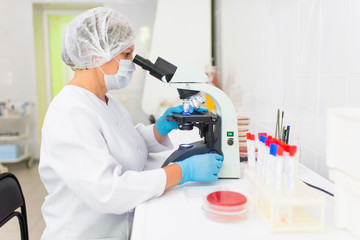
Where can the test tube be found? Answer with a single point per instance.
(252, 151)
(266, 156)
(278, 171)
(290, 174)
(279, 168)
(257, 142)
(261, 151)
(248, 136)
(291, 168)
(269, 174)
(250, 142)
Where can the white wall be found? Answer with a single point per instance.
(301, 56)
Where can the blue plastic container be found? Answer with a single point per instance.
(9, 151)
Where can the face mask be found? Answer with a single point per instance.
(122, 78)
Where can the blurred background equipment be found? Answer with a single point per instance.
(343, 131)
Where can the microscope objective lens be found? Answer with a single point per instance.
(195, 102)
(186, 107)
(201, 98)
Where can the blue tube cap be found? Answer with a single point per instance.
(262, 138)
(273, 149)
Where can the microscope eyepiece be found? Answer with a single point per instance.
(144, 63)
(162, 70)
(159, 69)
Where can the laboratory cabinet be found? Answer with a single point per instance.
(14, 139)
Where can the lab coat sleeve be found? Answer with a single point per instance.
(153, 145)
(75, 149)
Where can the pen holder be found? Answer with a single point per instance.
(301, 210)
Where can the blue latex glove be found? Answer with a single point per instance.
(164, 126)
(204, 167)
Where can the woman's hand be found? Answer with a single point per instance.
(164, 127)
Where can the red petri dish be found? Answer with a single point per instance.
(225, 206)
(224, 217)
(226, 199)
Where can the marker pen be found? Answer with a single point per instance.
(287, 134)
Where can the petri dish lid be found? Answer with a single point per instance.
(226, 199)
(219, 212)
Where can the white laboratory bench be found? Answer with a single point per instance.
(178, 214)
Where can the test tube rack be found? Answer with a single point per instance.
(299, 210)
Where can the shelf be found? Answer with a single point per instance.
(13, 138)
(13, 117)
(23, 135)
(19, 159)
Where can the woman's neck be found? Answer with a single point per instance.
(91, 80)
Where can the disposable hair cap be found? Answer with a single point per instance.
(96, 36)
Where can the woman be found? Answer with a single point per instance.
(92, 156)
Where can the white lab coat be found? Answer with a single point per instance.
(91, 163)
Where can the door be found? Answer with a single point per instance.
(61, 74)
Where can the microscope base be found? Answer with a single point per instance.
(187, 150)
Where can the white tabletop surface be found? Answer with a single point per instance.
(178, 214)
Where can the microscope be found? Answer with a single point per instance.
(219, 131)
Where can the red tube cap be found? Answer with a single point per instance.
(259, 134)
(252, 138)
(292, 150)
